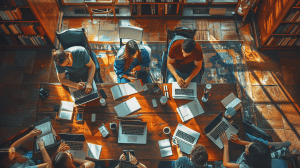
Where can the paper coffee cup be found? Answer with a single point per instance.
(163, 100)
(167, 130)
(102, 102)
(113, 126)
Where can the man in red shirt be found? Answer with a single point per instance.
(184, 62)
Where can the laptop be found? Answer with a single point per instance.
(184, 93)
(186, 138)
(79, 97)
(132, 132)
(77, 144)
(218, 125)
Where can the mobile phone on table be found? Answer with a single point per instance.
(103, 93)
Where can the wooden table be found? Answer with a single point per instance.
(156, 118)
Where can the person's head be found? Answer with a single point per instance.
(8, 156)
(131, 50)
(61, 57)
(188, 47)
(62, 160)
(258, 155)
(199, 155)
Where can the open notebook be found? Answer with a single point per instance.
(127, 107)
(190, 110)
(126, 89)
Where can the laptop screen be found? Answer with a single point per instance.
(213, 123)
(72, 137)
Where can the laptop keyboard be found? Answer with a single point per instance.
(133, 129)
(185, 136)
(218, 130)
(75, 145)
(188, 92)
(86, 98)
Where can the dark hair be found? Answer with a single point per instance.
(199, 155)
(131, 48)
(4, 160)
(59, 56)
(259, 155)
(188, 45)
(62, 160)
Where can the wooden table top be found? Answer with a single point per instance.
(156, 118)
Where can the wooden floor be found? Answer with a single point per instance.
(272, 77)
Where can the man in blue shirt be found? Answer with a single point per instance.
(78, 63)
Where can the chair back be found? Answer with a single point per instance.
(130, 32)
(101, 7)
(182, 31)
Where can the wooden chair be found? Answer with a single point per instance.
(101, 7)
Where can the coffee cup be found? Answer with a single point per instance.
(113, 126)
(102, 102)
(163, 100)
(167, 130)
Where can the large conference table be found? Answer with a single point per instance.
(156, 118)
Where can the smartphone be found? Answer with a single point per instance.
(126, 153)
(103, 94)
(79, 117)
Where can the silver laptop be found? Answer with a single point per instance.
(77, 144)
(79, 97)
(132, 132)
(184, 93)
(186, 138)
(218, 125)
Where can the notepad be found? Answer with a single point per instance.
(127, 107)
(165, 148)
(232, 101)
(190, 110)
(66, 110)
(94, 151)
(126, 89)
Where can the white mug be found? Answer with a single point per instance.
(102, 102)
(163, 100)
(167, 130)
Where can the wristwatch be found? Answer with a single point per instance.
(137, 163)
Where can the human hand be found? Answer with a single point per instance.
(180, 81)
(224, 138)
(35, 132)
(132, 79)
(187, 81)
(63, 147)
(122, 157)
(176, 142)
(132, 159)
(80, 85)
(88, 88)
(41, 143)
(234, 138)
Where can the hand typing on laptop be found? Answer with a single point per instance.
(88, 87)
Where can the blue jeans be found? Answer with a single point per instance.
(184, 75)
(143, 75)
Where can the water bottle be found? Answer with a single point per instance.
(206, 92)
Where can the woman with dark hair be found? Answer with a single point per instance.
(64, 159)
(9, 158)
(257, 154)
(131, 59)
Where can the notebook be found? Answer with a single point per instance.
(218, 125)
(165, 148)
(132, 132)
(79, 97)
(126, 89)
(66, 110)
(127, 107)
(184, 93)
(94, 151)
(190, 110)
(186, 138)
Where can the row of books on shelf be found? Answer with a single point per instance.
(15, 14)
(13, 3)
(293, 16)
(152, 1)
(284, 41)
(24, 28)
(27, 40)
(288, 29)
(155, 9)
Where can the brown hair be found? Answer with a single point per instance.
(62, 160)
(199, 155)
(131, 48)
(4, 160)
(59, 56)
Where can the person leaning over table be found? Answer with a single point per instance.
(132, 160)
(78, 63)
(130, 59)
(64, 159)
(198, 158)
(184, 61)
(9, 158)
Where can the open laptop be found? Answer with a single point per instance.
(77, 143)
(79, 97)
(218, 125)
(132, 132)
(186, 138)
(184, 93)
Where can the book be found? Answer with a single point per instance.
(165, 148)
(190, 110)
(127, 107)
(126, 89)
(66, 110)
(48, 134)
(94, 151)
(232, 101)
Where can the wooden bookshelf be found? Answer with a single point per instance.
(277, 28)
(35, 28)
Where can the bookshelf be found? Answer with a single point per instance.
(28, 23)
(277, 25)
(156, 8)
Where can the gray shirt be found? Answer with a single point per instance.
(80, 58)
